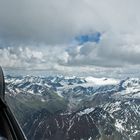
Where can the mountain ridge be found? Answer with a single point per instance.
(111, 106)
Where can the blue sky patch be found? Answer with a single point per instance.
(94, 37)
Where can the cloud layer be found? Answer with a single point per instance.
(41, 34)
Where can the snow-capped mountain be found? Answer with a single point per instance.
(81, 108)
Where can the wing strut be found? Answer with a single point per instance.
(12, 127)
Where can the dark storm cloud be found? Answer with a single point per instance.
(43, 20)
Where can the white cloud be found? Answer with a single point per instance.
(111, 51)
(32, 57)
(20, 57)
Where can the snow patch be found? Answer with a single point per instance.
(119, 126)
(102, 81)
(86, 111)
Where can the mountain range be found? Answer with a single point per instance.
(75, 108)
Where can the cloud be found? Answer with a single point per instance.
(31, 57)
(40, 34)
(54, 22)
(116, 51)
(21, 57)
(44, 21)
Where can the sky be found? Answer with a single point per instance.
(73, 36)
